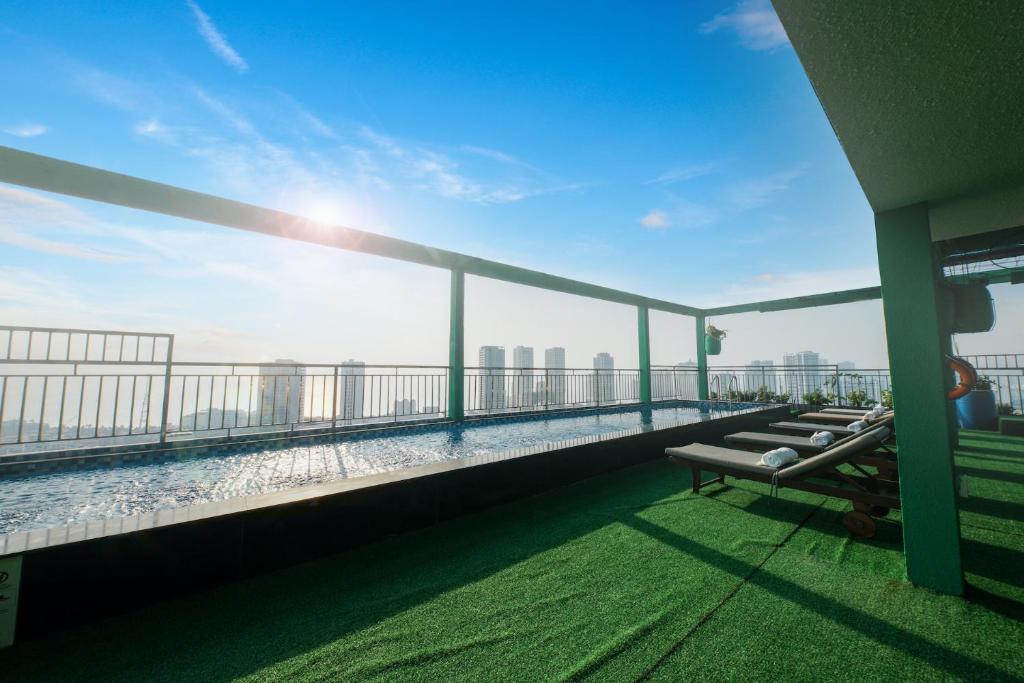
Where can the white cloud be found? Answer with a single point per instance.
(678, 174)
(441, 174)
(682, 214)
(108, 88)
(655, 219)
(216, 41)
(26, 130)
(755, 24)
(752, 193)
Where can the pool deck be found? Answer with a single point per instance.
(624, 576)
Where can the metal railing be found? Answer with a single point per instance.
(1006, 372)
(69, 384)
(106, 387)
(238, 397)
(503, 390)
(813, 384)
(61, 386)
(670, 382)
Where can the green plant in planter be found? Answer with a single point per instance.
(816, 398)
(715, 333)
(887, 398)
(984, 383)
(859, 398)
(713, 340)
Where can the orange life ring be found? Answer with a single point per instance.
(967, 374)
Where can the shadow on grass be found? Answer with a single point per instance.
(1000, 604)
(997, 475)
(1003, 509)
(954, 663)
(993, 562)
(1008, 453)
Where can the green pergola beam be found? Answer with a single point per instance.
(992, 277)
(918, 340)
(644, 341)
(63, 177)
(702, 359)
(811, 301)
(457, 347)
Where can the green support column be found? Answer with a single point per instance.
(702, 361)
(644, 338)
(456, 347)
(918, 338)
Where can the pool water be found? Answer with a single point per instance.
(113, 490)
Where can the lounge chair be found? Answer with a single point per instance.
(871, 496)
(837, 418)
(846, 411)
(885, 461)
(810, 427)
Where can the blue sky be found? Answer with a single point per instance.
(674, 149)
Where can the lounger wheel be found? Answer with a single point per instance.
(871, 510)
(859, 524)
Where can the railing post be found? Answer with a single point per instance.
(702, 361)
(167, 387)
(334, 400)
(644, 339)
(456, 347)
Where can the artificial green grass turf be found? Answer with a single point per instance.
(612, 578)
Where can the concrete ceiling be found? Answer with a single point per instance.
(926, 96)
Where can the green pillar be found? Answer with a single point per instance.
(918, 338)
(644, 338)
(457, 346)
(702, 361)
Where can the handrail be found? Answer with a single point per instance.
(77, 180)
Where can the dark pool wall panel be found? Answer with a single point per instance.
(73, 583)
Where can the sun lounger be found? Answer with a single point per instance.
(800, 444)
(809, 428)
(836, 418)
(885, 461)
(870, 495)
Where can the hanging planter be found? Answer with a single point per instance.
(713, 340)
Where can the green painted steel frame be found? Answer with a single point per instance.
(457, 347)
(919, 339)
(643, 335)
(915, 344)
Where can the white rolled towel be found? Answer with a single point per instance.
(857, 426)
(822, 438)
(778, 457)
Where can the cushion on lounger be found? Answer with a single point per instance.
(699, 453)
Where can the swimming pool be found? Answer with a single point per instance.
(103, 491)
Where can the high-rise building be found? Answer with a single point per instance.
(761, 373)
(404, 406)
(555, 379)
(685, 384)
(604, 378)
(804, 372)
(846, 365)
(523, 379)
(282, 394)
(492, 377)
(352, 389)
